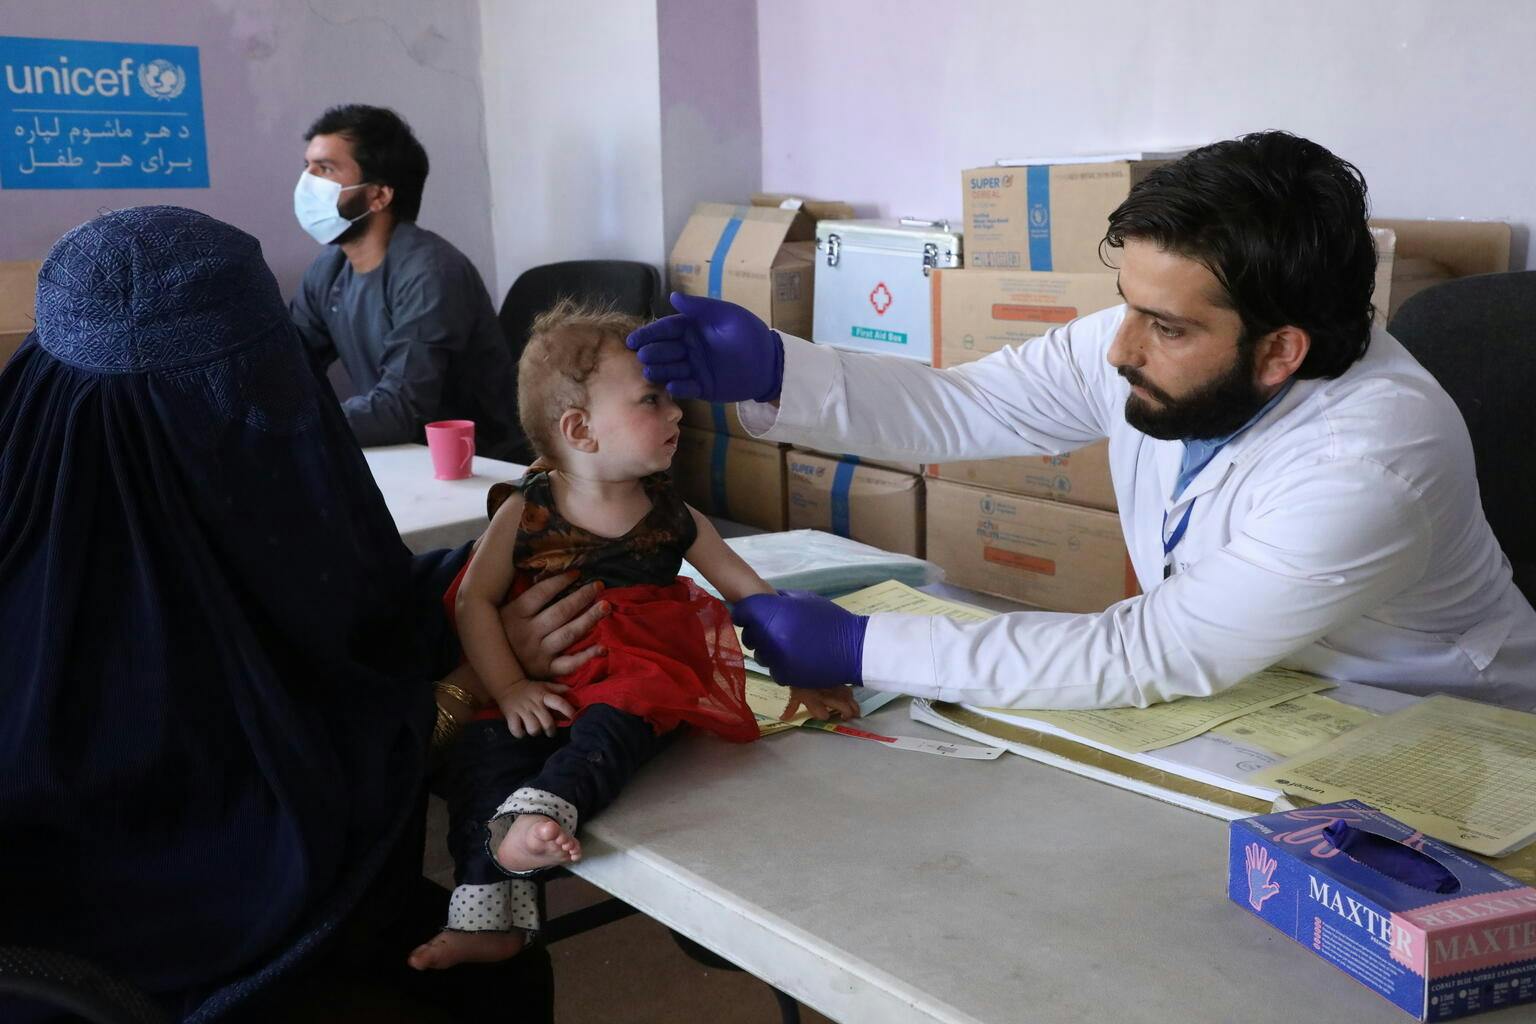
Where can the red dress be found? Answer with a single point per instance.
(672, 655)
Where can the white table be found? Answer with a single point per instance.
(889, 887)
(431, 513)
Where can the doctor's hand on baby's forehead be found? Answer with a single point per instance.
(714, 350)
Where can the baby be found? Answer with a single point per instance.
(598, 506)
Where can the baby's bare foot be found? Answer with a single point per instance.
(535, 841)
(450, 948)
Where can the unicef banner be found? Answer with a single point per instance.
(77, 114)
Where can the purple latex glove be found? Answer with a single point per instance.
(1395, 860)
(712, 350)
(803, 639)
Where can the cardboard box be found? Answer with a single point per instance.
(717, 418)
(1435, 954)
(1046, 217)
(734, 479)
(760, 256)
(1043, 553)
(978, 312)
(1414, 254)
(18, 304)
(875, 506)
(912, 468)
(1076, 478)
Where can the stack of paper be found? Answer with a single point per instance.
(1457, 770)
(1200, 753)
(822, 562)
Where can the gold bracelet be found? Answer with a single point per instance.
(459, 694)
(443, 730)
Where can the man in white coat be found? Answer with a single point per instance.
(1294, 488)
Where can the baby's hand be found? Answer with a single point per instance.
(823, 704)
(527, 708)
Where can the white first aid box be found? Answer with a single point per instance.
(872, 284)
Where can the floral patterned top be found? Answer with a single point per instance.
(549, 544)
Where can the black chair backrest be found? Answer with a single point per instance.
(1477, 337)
(628, 286)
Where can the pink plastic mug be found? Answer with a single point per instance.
(452, 444)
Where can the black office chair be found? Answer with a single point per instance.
(72, 985)
(628, 286)
(1477, 337)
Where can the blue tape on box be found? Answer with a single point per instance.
(842, 484)
(1460, 938)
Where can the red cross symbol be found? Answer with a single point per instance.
(880, 298)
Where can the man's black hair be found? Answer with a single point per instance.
(384, 147)
(1281, 223)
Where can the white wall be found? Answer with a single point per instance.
(269, 68)
(711, 119)
(884, 102)
(573, 122)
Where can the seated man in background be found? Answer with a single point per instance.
(406, 312)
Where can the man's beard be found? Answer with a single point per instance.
(352, 207)
(1215, 409)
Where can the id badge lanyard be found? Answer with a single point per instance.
(1172, 541)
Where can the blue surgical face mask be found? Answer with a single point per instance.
(315, 202)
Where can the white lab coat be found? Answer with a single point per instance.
(1340, 534)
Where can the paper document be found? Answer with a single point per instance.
(894, 596)
(1296, 725)
(1138, 730)
(1197, 774)
(1457, 770)
(823, 562)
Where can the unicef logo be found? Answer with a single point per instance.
(162, 79)
(986, 504)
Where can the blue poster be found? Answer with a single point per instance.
(76, 114)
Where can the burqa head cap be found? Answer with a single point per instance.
(154, 287)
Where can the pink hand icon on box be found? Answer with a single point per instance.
(1261, 868)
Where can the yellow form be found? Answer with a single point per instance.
(1138, 730)
(1298, 724)
(1457, 770)
(768, 699)
(1131, 730)
(898, 597)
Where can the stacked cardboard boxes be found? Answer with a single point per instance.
(978, 312)
(1041, 529)
(1045, 217)
(760, 256)
(732, 478)
(871, 502)
(1411, 255)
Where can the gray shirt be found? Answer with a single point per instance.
(419, 338)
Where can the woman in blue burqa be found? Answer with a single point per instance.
(215, 686)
